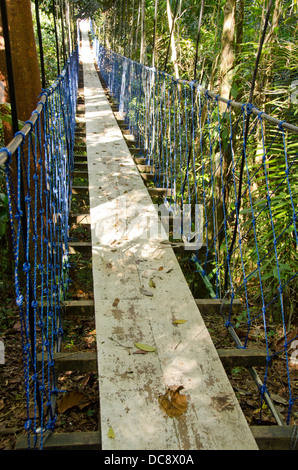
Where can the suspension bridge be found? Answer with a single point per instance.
(171, 168)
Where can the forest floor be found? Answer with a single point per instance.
(77, 408)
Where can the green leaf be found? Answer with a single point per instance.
(111, 433)
(145, 347)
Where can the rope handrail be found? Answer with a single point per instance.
(17, 139)
(212, 94)
(38, 166)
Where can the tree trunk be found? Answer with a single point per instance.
(239, 30)
(24, 60)
(198, 39)
(227, 55)
(143, 45)
(171, 22)
(63, 31)
(68, 26)
(131, 31)
(226, 79)
(154, 33)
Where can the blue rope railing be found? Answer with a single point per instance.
(240, 166)
(38, 167)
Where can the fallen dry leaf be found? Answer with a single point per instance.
(172, 403)
(70, 400)
(280, 343)
(116, 302)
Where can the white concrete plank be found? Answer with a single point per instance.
(125, 258)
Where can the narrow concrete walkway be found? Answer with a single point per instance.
(130, 309)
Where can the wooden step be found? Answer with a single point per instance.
(242, 357)
(79, 247)
(275, 437)
(140, 160)
(86, 440)
(213, 306)
(178, 248)
(134, 150)
(80, 148)
(80, 189)
(145, 168)
(81, 166)
(148, 176)
(79, 361)
(182, 248)
(162, 192)
(82, 307)
(79, 218)
(81, 134)
(85, 361)
(80, 158)
(80, 173)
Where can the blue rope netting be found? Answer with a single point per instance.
(240, 166)
(38, 169)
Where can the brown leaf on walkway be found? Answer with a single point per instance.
(116, 302)
(172, 402)
(70, 400)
